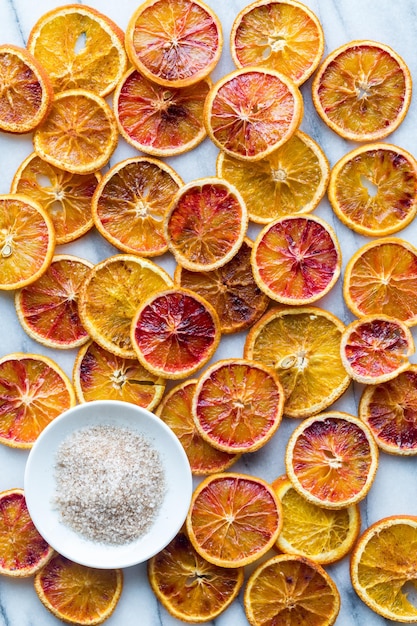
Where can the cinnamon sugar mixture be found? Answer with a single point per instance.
(109, 483)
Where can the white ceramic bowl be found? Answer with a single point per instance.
(39, 485)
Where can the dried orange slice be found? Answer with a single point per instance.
(101, 375)
(376, 348)
(130, 203)
(373, 189)
(390, 411)
(303, 346)
(188, 586)
(291, 179)
(282, 35)
(80, 48)
(381, 278)
(323, 535)
(231, 289)
(174, 42)
(26, 90)
(77, 594)
(291, 590)
(159, 120)
(296, 259)
(233, 519)
(80, 133)
(252, 111)
(331, 459)
(27, 241)
(66, 197)
(33, 391)
(362, 90)
(383, 566)
(110, 297)
(48, 308)
(238, 405)
(175, 332)
(175, 410)
(206, 224)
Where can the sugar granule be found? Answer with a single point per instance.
(109, 483)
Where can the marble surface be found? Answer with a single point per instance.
(395, 488)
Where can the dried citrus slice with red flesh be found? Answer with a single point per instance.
(176, 411)
(296, 259)
(331, 459)
(33, 391)
(252, 111)
(174, 42)
(130, 203)
(175, 332)
(238, 405)
(233, 519)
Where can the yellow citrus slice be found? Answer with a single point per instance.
(111, 295)
(362, 90)
(283, 35)
(323, 535)
(303, 346)
(290, 180)
(233, 519)
(80, 133)
(331, 459)
(252, 111)
(291, 590)
(130, 203)
(382, 566)
(33, 391)
(27, 241)
(79, 47)
(174, 42)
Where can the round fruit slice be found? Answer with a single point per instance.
(79, 48)
(323, 535)
(26, 91)
(383, 565)
(23, 551)
(159, 120)
(175, 332)
(233, 519)
(390, 411)
(238, 405)
(175, 411)
(111, 295)
(174, 42)
(291, 179)
(376, 348)
(291, 590)
(27, 241)
(65, 197)
(206, 224)
(33, 391)
(282, 35)
(303, 346)
(188, 586)
(362, 90)
(252, 111)
(381, 278)
(48, 308)
(80, 133)
(373, 189)
(77, 594)
(101, 375)
(296, 259)
(130, 203)
(331, 459)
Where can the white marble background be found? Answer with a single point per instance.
(395, 488)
